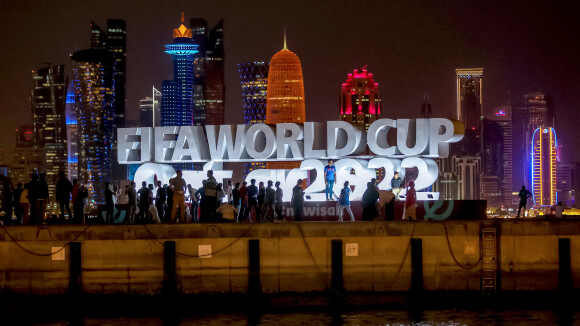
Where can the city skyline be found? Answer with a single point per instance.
(412, 49)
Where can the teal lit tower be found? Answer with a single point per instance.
(177, 100)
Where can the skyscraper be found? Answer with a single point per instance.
(146, 112)
(93, 80)
(499, 154)
(360, 100)
(27, 158)
(470, 108)
(177, 100)
(48, 102)
(544, 166)
(285, 100)
(254, 79)
(72, 134)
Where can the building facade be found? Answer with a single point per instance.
(177, 100)
(470, 108)
(72, 134)
(360, 100)
(93, 81)
(544, 166)
(48, 103)
(254, 81)
(285, 96)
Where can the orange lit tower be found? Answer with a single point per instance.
(285, 99)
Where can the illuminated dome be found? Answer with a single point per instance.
(285, 97)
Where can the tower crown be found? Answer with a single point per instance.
(182, 31)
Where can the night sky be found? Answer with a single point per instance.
(410, 46)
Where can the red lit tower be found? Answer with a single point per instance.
(360, 100)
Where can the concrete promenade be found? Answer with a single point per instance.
(368, 257)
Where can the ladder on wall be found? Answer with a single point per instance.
(489, 260)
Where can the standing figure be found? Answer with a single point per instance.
(177, 185)
(229, 191)
(298, 201)
(329, 178)
(269, 201)
(79, 204)
(396, 184)
(243, 202)
(261, 196)
(63, 191)
(524, 194)
(344, 202)
(17, 208)
(209, 203)
(253, 201)
(160, 198)
(143, 193)
(369, 202)
(279, 204)
(132, 202)
(24, 205)
(109, 204)
(194, 203)
(411, 203)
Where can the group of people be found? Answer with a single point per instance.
(28, 202)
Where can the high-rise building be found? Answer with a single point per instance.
(254, 79)
(360, 100)
(114, 41)
(537, 105)
(48, 102)
(28, 158)
(209, 85)
(470, 108)
(285, 100)
(544, 166)
(459, 178)
(146, 112)
(177, 94)
(93, 81)
(568, 182)
(498, 156)
(72, 135)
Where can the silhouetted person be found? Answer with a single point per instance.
(279, 203)
(160, 198)
(411, 202)
(208, 204)
(143, 193)
(169, 205)
(132, 202)
(242, 216)
(252, 201)
(33, 193)
(79, 203)
(24, 205)
(298, 201)
(194, 199)
(524, 195)
(63, 191)
(261, 197)
(109, 204)
(269, 201)
(344, 202)
(369, 202)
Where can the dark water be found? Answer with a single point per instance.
(323, 316)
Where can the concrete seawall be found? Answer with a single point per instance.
(286, 257)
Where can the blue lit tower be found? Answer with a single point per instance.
(177, 99)
(72, 134)
(93, 81)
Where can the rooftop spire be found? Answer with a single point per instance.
(182, 17)
(285, 48)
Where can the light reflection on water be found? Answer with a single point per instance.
(328, 317)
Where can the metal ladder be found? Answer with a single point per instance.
(489, 261)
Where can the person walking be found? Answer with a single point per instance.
(344, 202)
(178, 186)
(369, 202)
(396, 184)
(524, 194)
(298, 201)
(329, 179)
(279, 203)
(63, 191)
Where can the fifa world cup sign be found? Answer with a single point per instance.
(418, 142)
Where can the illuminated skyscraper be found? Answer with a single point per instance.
(360, 100)
(285, 101)
(254, 79)
(498, 153)
(544, 166)
(470, 109)
(209, 87)
(48, 101)
(177, 100)
(72, 134)
(93, 81)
